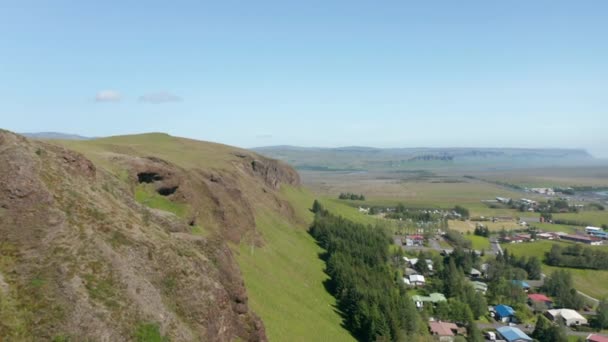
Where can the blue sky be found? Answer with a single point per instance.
(315, 73)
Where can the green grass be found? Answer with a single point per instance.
(197, 230)
(145, 194)
(284, 278)
(596, 218)
(478, 242)
(591, 282)
(149, 332)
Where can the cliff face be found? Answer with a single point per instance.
(82, 256)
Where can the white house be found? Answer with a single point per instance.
(569, 316)
(593, 229)
(417, 280)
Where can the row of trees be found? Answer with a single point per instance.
(577, 256)
(462, 211)
(351, 196)
(559, 286)
(456, 239)
(531, 265)
(545, 330)
(375, 307)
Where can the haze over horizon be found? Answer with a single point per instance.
(481, 74)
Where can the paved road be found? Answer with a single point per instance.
(496, 249)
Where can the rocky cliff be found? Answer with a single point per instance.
(116, 240)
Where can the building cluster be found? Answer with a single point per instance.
(593, 236)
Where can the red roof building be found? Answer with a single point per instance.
(596, 338)
(443, 328)
(539, 297)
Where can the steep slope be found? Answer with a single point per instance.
(80, 258)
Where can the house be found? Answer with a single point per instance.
(479, 286)
(433, 298)
(416, 240)
(417, 280)
(524, 285)
(504, 313)
(569, 316)
(519, 238)
(406, 281)
(590, 240)
(444, 331)
(513, 334)
(484, 269)
(540, 298)
(596, 338)
(590, 229)
(601, 235)
(474, 273)
(546, 236)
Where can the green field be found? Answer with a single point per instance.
(284, 278)
(591, 282)
(596, 218)
(478, 242)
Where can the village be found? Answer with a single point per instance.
(501, 321)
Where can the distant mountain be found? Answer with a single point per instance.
(369, 158)
(54, 136)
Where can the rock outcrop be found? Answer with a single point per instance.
(80, 258)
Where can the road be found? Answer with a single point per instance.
(496, 249)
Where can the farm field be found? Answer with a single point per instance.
(469, 226)
(596, 218)
(551, 177)
(284, 278)
(591, 282)
(382, 189)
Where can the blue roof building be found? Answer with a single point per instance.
(504, 313)
(513, 334)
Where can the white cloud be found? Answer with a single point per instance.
(108, 96)
(159, 97)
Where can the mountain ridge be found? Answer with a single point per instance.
(102, 238)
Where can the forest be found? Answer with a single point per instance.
(374, 306)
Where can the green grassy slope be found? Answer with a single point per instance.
(284, 278)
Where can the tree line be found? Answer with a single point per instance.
(351, 196)
(374, 306)
(577, 256)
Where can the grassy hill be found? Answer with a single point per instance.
(158, 236)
